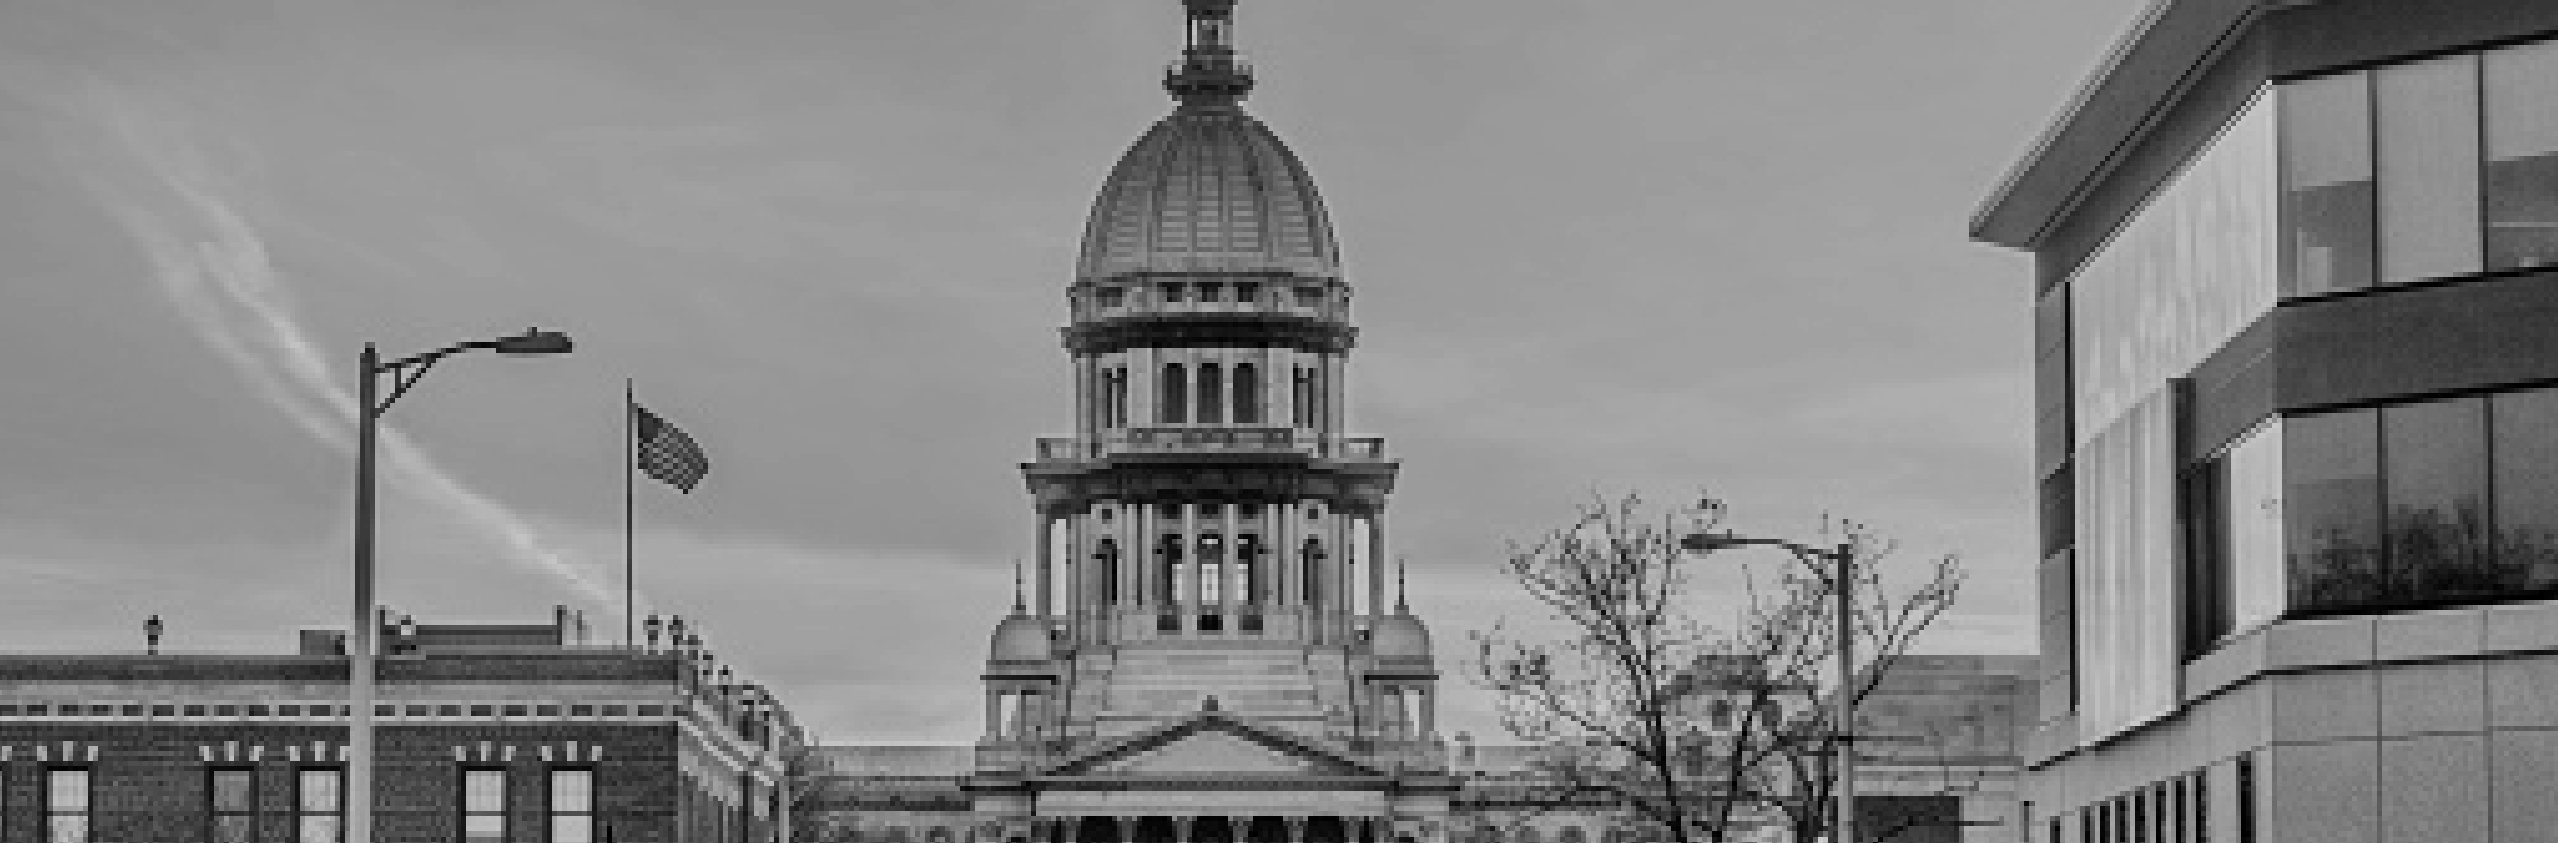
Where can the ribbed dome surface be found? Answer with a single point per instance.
(1209, 189)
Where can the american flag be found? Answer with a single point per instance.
(664, 452)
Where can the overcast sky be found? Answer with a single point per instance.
(1635, 245)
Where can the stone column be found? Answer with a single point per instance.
(1186, 601)
(1079, 570)
(1282, 530)
(1296, 829)
(1039, 571)
(1239, 829)
(1337, 573)
(1377, 607)
(1328, 401)
(1181, 829)
(1231, 546)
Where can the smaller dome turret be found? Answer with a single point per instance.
(1019, 637)
(1400, 635)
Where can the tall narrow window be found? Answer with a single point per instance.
(2436, 471)
(66, 805)
(2526, 516)
(2327, 184)
(2246, 798)
(1301, 400)
(1119, 397)
(2331, 495)
(1107, 553)
(1247, 394)
(1175, 389)
(2203, 805)
(1212, 394)
(231, 807)
(2522, 156)
(484, 806)
(572, 806)
(2428, 165)
(1311, 557)
(319, 799)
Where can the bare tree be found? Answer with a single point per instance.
(1689, 731)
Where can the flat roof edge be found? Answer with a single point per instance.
(2156, 60)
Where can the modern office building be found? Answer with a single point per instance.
(2297, 441)
(484, 733)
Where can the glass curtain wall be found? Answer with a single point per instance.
(2522, 156)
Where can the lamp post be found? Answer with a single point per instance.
(359, 639)
(1836, 567)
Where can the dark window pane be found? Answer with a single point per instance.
(2332, 491)
(2428, 164)
(2437, 470)
(2522, 156)
(1173, 391)
(1211, 394)
(2526, 469)
(2327, 180)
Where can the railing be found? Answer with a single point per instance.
(1269, 298)
(1205, 439)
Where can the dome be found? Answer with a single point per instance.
(1208, 189)
(1400, 634)
(1020, 637)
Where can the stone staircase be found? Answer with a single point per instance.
(1286, 686)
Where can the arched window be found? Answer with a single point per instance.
(1247, 394)
(1311, 557)
(1176, 394)
(1719, 713)
(1107, 552)
(1212, 394)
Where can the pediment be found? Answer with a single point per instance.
(1211, 744)
(1212, 752)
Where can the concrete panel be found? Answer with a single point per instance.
(2522, 626)
(2327, 706)
(2238, 659)
(2412, 635)
(2318, 642)
(2326, 793)
(2434, 697)
(2524, 765)
(2523, 692)
(2433, 789)
(2239, 720)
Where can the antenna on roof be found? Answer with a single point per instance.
(1017, 607)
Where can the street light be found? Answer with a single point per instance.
(359, 640)
(1839, 574)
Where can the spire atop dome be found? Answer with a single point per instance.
(1209, 72)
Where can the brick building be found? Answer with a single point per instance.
(485, 732)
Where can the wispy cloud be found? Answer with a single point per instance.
(213, 264)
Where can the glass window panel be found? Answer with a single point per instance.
(2428, 128)
(484, 790)
(2252, 494)
(69, 828)
(572, 791)
(2526, 472)
(2327, 184)
(68, 790)
(234, 829)
(485, 828)
(231, 790)
(578, 829)
(2331, 491)
(2126, 556)
(2436, 465)
(318, 791)
(318, 829)
(2522, 156)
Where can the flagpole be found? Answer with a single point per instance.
(630, 463)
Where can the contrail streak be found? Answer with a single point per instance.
(212, 263)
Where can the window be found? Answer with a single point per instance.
(2522, 156)
(66, 805)
(2526, 487)
(1247, 292)
(1212, 393)
(484, 806)
(318, 805)
(1172, 293)
(2247, 798)
(1175, 390)
(1247, 394)
(231, 805)
(2427, 123)
(2331, 481)
(2327, 184)
(1309, 296)
(572, 806)
(1108, 296)
(2435, 475)
(2203, 806)
(1300, 400)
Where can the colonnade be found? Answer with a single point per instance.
(1210, 568)
(1208, 829)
